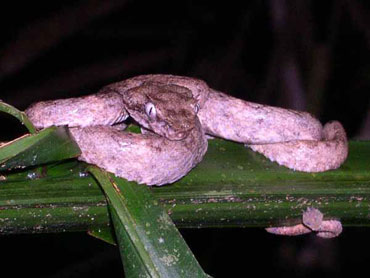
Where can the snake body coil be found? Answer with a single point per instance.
(176, 112)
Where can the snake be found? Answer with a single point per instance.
(178, 114)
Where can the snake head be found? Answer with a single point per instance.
(167, 110)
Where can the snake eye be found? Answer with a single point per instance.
(150, 110)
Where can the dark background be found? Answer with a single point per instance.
(305, 55)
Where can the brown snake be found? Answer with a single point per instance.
(176, 112)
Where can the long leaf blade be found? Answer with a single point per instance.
(231, 187)
(149, 242)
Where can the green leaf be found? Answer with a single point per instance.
(231, 187)
(149, 242)
(50, 144)
(21, 116)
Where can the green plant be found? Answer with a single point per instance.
(43, 189)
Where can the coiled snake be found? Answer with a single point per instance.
(176, 113)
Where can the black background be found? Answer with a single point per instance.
(305, 55)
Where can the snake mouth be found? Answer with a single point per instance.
(176, 135)
(169, 131)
